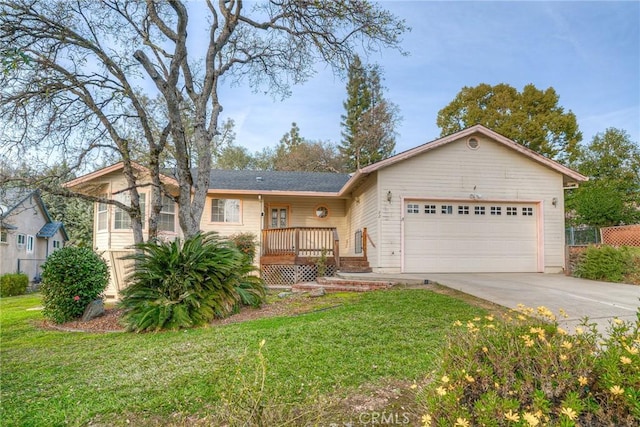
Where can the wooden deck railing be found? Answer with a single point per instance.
(301, 241)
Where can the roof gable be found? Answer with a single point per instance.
(567, 173)
(14, 198)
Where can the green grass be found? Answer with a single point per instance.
(65, 378)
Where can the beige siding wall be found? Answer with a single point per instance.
(364, 212)
(114, 239)
(29, 219)
(302, 214)
(250, 209)
(455, 171)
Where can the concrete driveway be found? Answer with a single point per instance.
(600, 301)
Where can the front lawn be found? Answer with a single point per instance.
(182, 378)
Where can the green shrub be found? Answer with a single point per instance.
(246, 243)
(605, 263)
(72, 277)
(13, 284)
(177, 285)
(524, 371)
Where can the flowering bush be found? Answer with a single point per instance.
(524, 370)
(72, 277)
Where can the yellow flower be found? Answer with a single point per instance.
(563, 357)
(566, 344)
(545, 312)
(531, 419)
(570, 413)
(413, 386)
(617, 321)
(527, 340)
(561, 331)
(490, 326)
(632, 350)
(441, 391)
(444, 379)
(457, 323)
(521, 317)
(461, 422)
(512, 416)
(579, 330)
(426, 420)
(616, 390)
(476, 319)
(489, 318)
(583, 380)
(485, 349)
(469, 378)
(625, 360)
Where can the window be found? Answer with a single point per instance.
(527, 211)
(102, 215)
(496, 210)
(429, 209)
(322, 211)
(225, 210)
(512, 211)
(478, 210)
(30, 242)
(413, 208)
(167, 219)
(56, 244)
(121, 219)
(142, 199)
(21, 239)
(279, 217)
(3, 236)
(446, 209)
(463, 210)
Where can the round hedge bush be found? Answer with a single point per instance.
(72, 277)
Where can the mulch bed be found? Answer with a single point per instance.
(110, 321)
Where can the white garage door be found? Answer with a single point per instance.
(460, 237)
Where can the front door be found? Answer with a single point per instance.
(278, 217)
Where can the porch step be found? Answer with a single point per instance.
(354, 265)
(334, 284)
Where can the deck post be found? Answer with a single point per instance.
(336, 248)
(364, 242)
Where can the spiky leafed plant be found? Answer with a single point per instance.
(179, 284)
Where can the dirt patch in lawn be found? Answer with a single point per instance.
(291, 305)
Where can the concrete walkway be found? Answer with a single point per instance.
(599, 301)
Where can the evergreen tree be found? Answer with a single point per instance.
(369, 123)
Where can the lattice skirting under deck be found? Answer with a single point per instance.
(274, 274)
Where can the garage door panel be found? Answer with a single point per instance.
(455, 242)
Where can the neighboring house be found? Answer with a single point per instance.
(28, 235)
(473, 201)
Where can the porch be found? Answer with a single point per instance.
(301, 254)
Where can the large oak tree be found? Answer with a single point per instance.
(532, 117)
(75, 71)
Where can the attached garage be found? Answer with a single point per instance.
(447, 236)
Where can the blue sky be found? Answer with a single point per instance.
(589, 52)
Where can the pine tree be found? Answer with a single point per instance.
(369, 123)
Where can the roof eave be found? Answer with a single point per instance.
(471, 131)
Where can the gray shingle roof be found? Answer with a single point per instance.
(50, 229)
(250, 180)
(277, 180)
